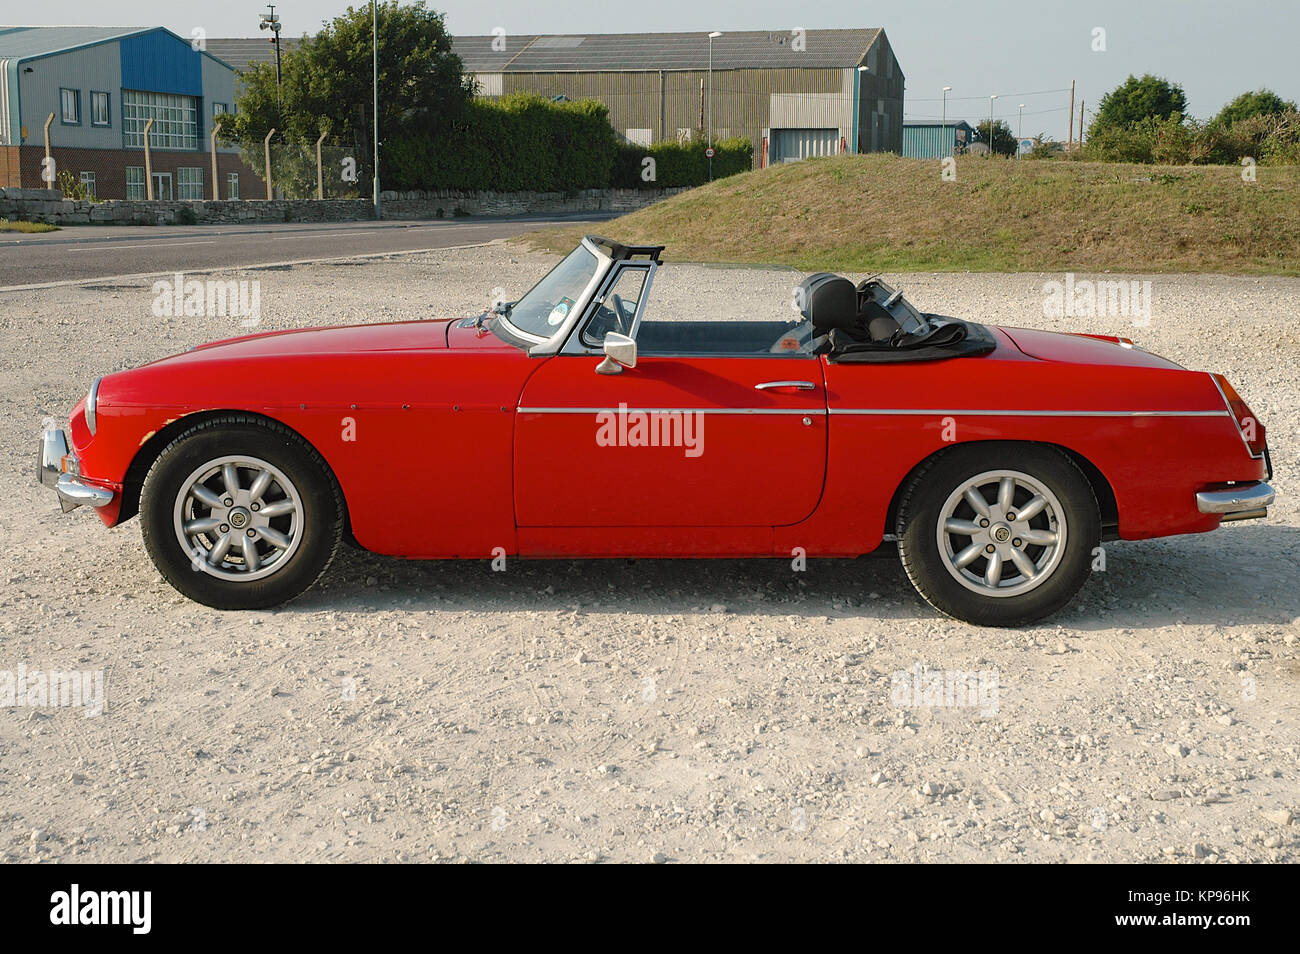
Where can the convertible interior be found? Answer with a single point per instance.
(850, 324)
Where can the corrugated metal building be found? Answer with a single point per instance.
(793, 94)
(103, 84)
(932, 140)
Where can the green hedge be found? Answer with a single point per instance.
(519, 142)
(678, 164)
(526, 142)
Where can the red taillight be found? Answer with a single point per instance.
(1250, 427)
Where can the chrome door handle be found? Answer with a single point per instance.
(797, 385)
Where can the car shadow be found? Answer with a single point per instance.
(1240, 575)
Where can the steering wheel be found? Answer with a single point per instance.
(621, 316)
(613, 317)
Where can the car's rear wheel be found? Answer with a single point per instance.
(999, 534)
(240, 513)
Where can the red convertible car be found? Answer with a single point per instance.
(575, 423)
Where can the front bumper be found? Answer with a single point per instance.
(57, 467)
(1237, 503)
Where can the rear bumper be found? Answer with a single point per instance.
(57, 467)
(1236, 503)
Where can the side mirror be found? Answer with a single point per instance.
(620, 353)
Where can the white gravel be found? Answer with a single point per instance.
(642, 711)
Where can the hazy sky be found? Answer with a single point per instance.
(1214, 48)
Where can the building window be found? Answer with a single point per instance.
(218, 109)
(135, 182)
(88, 180)
(70, 105)
(189, 182)
(176, 120)
(98, 109)
(232, 185)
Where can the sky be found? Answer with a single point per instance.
(1026, 52)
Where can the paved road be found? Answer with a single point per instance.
(81, 253)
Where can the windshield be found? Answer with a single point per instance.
(543, 309)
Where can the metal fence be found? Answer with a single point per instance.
(215, 167)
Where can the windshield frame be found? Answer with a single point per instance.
(539, 345)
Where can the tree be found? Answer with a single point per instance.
(1259, 103)
(1150, 97)
(327, 86)
(1003, 143)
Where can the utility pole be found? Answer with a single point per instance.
(1069, 141)
(991, 99)
(709, 148)
(374, 64)
(272, 22)
(944, 122)
(1081, 104)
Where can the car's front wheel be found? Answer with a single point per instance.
(999, 534)
(240, 513)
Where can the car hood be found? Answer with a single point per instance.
(1084, 349)
(341, 339)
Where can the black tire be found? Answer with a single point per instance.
(317, 521)
(931, 561)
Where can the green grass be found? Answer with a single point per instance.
(886, 213)
(7, 226)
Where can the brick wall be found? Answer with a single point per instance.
(109, 166)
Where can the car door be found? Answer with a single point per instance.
(679, 440)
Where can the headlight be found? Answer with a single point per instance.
(92, 400)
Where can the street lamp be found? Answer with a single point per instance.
(946, 91)
(712, 36)
(374, 63)
(857, 109)
(1020, 129)
(991, 99)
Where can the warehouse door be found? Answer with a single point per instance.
(791, 145)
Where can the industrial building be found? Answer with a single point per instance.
(924, 139)
(102, 85)
(794, 94)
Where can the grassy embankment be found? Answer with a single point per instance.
(886, 213)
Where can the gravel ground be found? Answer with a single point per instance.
(643, 711)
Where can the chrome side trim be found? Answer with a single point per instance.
(92, 406)
(1243, 499)
(975, 412)
(803, 412)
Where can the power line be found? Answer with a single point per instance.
(952, 99)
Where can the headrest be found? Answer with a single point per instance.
(828, 301)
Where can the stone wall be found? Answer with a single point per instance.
(452, 202)
(48, 205)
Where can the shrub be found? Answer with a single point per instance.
(520, 142)
(1272, 139)
(680, 164)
